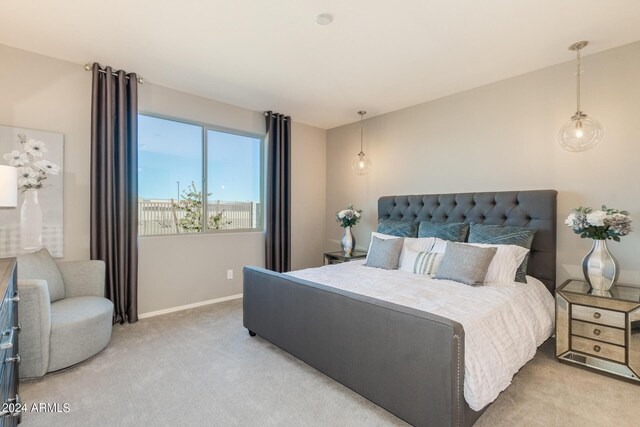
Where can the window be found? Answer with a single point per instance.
(173, 178)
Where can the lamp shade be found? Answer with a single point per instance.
(8, 186)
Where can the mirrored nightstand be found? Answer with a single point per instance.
(599, 330)
(340, 257)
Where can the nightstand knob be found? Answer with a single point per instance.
(596, 332)
(596, 348)
(596, 315)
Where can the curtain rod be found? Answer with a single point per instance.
(286, 118)
(89, 67)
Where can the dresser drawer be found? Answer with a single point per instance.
(597, 348)
(598, 315)
(598, 332)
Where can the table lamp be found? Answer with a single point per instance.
(8, 187)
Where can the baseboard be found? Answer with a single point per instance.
(188, 306)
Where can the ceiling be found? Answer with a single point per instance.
(377, 55)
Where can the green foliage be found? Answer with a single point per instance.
(191, 205)
(217, 221)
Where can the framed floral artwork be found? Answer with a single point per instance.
(37, 221)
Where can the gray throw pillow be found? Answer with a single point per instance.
(465, 263)
(40, 265)
(505, 235)
(384, 253)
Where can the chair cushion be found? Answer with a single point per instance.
(80, 328)
(40, 265)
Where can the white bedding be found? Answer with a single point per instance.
(504, 324)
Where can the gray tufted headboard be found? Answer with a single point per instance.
(536, 209)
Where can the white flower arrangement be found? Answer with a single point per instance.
(33, 170)
(348, 217)
(602, 224)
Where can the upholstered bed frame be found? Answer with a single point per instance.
(407, 361)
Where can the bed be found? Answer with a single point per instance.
(407, 360)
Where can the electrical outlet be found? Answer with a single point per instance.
(229, 274)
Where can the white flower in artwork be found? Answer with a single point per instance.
(35, 148)
(16, 158)
(47, 167)
(596, 218)
(357, 214)
(27, 176)
(341, 214)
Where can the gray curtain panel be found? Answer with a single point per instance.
(114, 186)
(278, 221)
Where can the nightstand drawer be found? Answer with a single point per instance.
(599, 349)
(598, 315)
(597, 332)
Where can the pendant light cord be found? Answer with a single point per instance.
(578, 78)
(361, 113)
(361, 132)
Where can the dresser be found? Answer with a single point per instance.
(9, 328)
(599, 330)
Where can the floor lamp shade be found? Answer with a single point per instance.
(8, 186)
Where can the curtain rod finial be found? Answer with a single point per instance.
(88, 67)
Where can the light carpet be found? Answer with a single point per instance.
(199, 367)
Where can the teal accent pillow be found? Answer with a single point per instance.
(505, 235)
(454, 232)
(394, 227)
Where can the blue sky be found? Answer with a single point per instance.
(170, 152)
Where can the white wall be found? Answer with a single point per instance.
(45, 93)
(308, 190)
(503, 137)
(187, 269)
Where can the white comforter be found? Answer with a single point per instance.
(503, 324)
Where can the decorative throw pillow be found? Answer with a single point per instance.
(417, 244)
(505, 263)
(379, 236)
(465, 263)
(384, 253)
(398, 228)
(505, 235)
(40, 265)
(454, 232)
(418, 262)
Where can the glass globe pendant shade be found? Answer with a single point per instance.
(581, 133)
(361, 164)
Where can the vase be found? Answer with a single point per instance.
(31, 222)
(348, 242)
(600, 268)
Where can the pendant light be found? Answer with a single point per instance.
(361, 164)
(582, 132)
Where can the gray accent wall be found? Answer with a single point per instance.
(503, 137)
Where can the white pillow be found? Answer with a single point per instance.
(420, 262)
(417, 244)
(503, 265)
